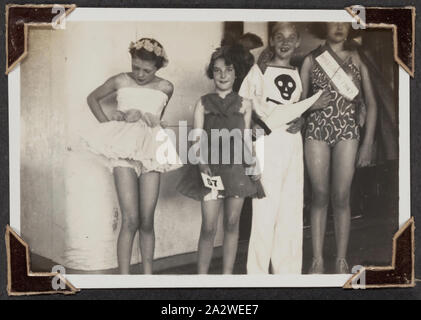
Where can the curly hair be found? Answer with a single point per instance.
(237, 56)
(144, 54)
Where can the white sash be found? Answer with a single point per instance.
(338, 76)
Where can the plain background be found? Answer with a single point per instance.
(70, 212)
(336, 293)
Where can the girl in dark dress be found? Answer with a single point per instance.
(226, 112)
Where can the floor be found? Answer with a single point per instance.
(370, 244)
(374, 223)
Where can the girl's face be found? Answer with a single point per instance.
(223, 75)
(143, 70)
(284, 41)
(338, 31)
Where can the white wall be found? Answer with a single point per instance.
(43, 131)
(69, 208)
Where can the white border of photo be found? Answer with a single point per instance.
(218, 281)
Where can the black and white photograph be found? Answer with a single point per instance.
(267, 150)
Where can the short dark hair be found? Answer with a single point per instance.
(144, 54)
(235, 55)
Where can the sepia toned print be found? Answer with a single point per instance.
(264, 148)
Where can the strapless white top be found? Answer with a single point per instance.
(135, 144)
(143, 99)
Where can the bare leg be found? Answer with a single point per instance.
(210, 214)
(317, 156)
(149, 192)
(343, 169)
(232, 212)
(128, 197)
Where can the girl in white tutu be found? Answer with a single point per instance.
(128, 141)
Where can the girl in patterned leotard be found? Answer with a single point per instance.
(332, 141)
(339, 121)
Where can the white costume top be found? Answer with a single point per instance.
(275, 94)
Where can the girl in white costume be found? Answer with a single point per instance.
(276, 236)
(129, 139)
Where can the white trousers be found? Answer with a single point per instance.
(277, 225)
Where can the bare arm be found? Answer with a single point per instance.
(199, 121)
(199, 116)
(247, 109)
(366, 151)
(305, 77)
(168, 88)
(371, 105)
(98, 94)
(297, 124)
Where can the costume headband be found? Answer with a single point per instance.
(151, 46)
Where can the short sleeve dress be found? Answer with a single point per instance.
(222, 114)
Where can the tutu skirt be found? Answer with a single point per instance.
(134, 144)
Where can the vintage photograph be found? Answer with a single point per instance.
(209, 147)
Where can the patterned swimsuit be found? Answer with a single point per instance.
(338, 121)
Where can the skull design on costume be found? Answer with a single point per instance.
(286, 86)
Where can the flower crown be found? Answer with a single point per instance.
(151, 46)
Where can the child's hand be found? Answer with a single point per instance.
(164, 124)
(151, 120)
(118, 116)
(296, 125)
(362, 115)
(323, 101)
(133, 115)
(365, 155)
(204, 168)
(255, 129)
(256, 177)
